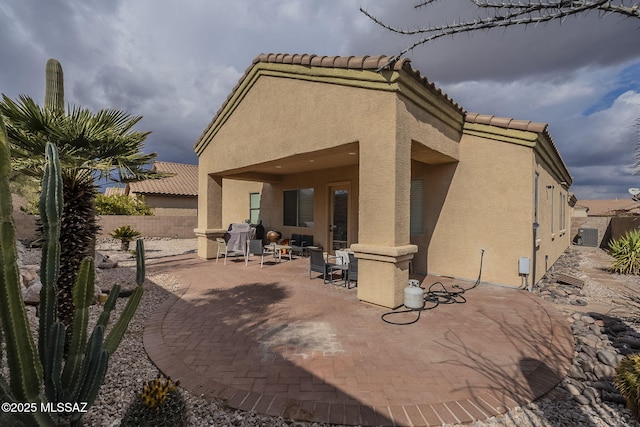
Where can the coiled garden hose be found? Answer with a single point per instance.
(435, 297)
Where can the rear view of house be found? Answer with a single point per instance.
(364, 152)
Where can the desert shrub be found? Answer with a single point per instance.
(159, 404)
(627, 380)
(626, 251)
(120, 204)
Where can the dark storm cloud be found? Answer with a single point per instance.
(499, 54)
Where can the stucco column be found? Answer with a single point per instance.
(383, 248)
(209, 215)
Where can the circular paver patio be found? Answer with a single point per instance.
(273, 341)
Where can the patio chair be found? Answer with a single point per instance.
(224, 250)
(256, 248)
(296, 243)
(318, 263)
(299, 243)
(352, 271)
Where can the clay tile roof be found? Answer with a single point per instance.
(183, 183)
(505, 122)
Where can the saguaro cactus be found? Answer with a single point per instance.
(54, 88)
(72, 379)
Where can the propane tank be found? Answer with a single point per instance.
(413, 296)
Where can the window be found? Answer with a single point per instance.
(254, 207)
(298, 207)
(416, 214)
(562, 213)
(553, 207)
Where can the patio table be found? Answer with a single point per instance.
(278, 250)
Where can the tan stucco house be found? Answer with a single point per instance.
(365, 152)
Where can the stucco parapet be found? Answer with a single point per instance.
(392, 254)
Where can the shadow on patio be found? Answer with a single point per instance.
(272, 341)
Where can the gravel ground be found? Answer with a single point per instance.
(130, 368)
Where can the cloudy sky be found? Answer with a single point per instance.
(174, 62)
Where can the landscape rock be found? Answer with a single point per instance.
(608, 357)
(31, 294)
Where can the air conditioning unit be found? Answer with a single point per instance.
(587, 237)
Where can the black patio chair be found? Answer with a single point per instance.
(301, 243)
(318, 264)
(296, 243)
(352, 271)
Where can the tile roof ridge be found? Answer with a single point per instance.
(335, 61)
(363, 62)
(506, 122)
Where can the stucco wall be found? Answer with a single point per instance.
(172, 205)
(552, 241)
(321, 181)
(282, 117)
(235, 199)
(486, 202)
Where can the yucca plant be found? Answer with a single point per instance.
(58, 386)
(626, 251)
(627, 380)
(159, 404)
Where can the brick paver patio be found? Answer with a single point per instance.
(272, 341)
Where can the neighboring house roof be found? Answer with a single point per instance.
(610, 207)
(371, 63)
(112, 191)
(184, 182)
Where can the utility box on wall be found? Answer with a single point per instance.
(524, 266)
(587, 237)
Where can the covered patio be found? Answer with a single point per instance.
(275, 342)
(322, 125)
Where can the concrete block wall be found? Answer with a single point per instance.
(150, 226)
(601, 223)
(620, 225)
(25, 225)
